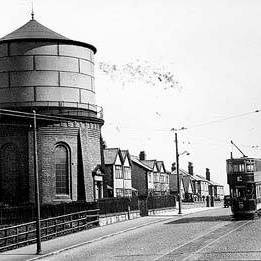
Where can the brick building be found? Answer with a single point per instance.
(158, 179)
(142, 177)
(44, 71)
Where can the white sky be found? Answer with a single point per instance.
(211, 46)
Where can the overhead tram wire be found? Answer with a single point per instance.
(220, 120)
(55, 118)
(192, 126)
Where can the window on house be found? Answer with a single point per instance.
(62, 170)
(162, 179)
(119, 192)
(127, 173)
(118, 172)
(150, 177)
(128, 193)
(155, 177)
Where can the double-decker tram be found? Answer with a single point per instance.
(244, 180)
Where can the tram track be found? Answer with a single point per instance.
(190, 250)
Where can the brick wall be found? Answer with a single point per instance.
(108, 180)
(19, 187)
(139, 179)
(14, 174)
(90, 145)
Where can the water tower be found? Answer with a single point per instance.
(44, 71)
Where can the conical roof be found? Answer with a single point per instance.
(33, 30)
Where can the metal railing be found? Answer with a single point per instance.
(70, 108)
(24, 234)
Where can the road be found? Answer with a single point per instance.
(208, 235)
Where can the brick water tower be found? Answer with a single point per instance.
(44, 71)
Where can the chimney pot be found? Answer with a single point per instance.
(142, 155)
(173, 166)
(190, 168)
(207, 174)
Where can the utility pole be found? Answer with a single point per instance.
(37, 198)
(177, 163)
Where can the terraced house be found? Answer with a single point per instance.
(142, 177)
(194, 187)
(159, 176)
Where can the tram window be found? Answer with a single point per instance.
(238, 192)
(235, 168)
(229, 167)
(241, 167)
(250, 166)
(241, 192)
(258, 191)
(250, 191)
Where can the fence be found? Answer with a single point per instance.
(23, 214)
(24, 234)
(161, 201)
(116, 205)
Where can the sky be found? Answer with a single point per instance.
(210, 47)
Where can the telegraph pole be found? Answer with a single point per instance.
(177, 163)
(37, 198)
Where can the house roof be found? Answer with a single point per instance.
(200, 178)
(186, 177)
(216, 184)
(186, 181)
(160, 164)
(110, 155)
(33, 30)
(138, 162)
(149, 163)
(125, 154)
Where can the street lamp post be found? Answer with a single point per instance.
(177, 165)
(37, 200)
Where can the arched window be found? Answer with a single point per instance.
(62, 170)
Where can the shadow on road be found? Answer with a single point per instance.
(202, 219)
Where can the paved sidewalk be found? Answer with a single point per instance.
(63, 243)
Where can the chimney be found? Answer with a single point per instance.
(173, 166)
(142, 155)
(207, 174)
(190, 168)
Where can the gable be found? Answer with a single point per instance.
(127, 162)
(110, 155)
(118, 160)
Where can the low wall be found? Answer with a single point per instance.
(123, 216)
(160, 211)
(117, 217)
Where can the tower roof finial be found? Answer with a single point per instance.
(32, 13)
